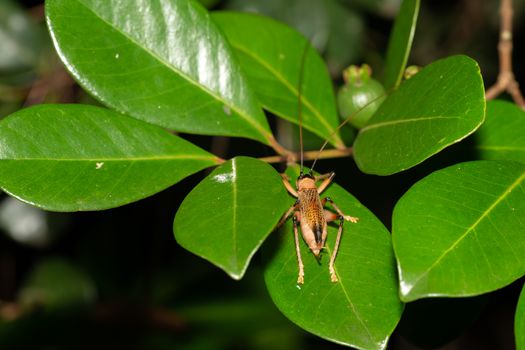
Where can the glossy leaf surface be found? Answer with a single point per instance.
(80, 157)
(363, 308)
(164, 62)
(400, 43)
(439, 106)
(459, 231)
(519, 323)
(228, 215)
(272, 63)
(502, 135)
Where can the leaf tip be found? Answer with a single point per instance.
(218, 160)
(237, 275)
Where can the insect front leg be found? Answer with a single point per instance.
(300, 277)
(288, 213)
(288, 185)
(328, 177)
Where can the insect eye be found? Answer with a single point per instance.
(302, 176)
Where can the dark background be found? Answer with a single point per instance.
(117, 279)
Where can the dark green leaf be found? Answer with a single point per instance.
(459, 231)
(57, 283)
(80, 157)
(519, 324)
(229, 214)
(273, 64)
(209, 3)
(502, 135)
(360, 310)
(400, 43)
(439, 106)
(307, 16)
(164, 62)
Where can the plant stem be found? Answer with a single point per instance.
(309, 155)
(506, 80)
(282, 151)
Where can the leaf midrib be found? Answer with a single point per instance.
(501, 148)
(291, 88)
(118, 159)
(347, 297)
(485, 214)
(408, 120)
(234, 107)
(234, 214)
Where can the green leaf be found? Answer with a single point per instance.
(273, 66)
(400, 43)
(228, 215)
(439, 106)
(164, 62)
(309, 17)
(360, 310)
(502, 135)
(519, 323)
(80, 157)
(459, 231)
(56, 283)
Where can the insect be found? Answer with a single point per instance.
(308, 210)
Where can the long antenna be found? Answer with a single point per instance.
(341, 125)
(299, 101)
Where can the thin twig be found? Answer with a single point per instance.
(282, 151)
(58, 81)
(506, 80)
(309, 155)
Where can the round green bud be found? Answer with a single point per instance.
(360, 97)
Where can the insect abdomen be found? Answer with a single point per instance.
(312, 214)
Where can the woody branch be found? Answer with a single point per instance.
(506, 80)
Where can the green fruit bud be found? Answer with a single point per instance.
(410, 71)
(360, 97)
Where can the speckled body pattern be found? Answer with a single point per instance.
(312, 216)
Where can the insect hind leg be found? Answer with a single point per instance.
(300, 277)
(329, 216)
(346, 217)
(333, 275)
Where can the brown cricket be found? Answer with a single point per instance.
(309, 208)
(309, 211)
